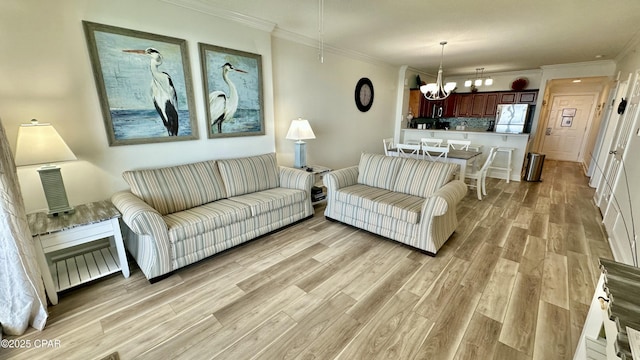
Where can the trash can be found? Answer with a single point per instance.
(534, 167)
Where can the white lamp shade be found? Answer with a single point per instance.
(449, 86)
(300, 130)
(41, 144)
(488, 82)
(468, 83)
(478, 82)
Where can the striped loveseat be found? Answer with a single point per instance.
(178, 215)
(407, 200)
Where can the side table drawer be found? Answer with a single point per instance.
(76, 236)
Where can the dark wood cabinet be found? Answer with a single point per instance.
(449, 105)
(416, 103)
(507, 98)
(480, 105)
(421, 107)
(491, 105)
(527, 97)
(486, 104)
(463, 105)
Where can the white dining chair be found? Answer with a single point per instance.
(459, 144)
(388, 145)
(431, 142)
(479, 177)
(435, 153)
(409, 151)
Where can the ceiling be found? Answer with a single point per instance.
(500, 35)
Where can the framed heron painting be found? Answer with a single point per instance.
(232, 83)
(144, 85)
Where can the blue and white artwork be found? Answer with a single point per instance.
(233, 91)
(144, 85)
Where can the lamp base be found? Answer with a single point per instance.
(300, 154)
(54, 191)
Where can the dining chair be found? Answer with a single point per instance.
(388, 145)
(409, 151)
(459, 144)
(435, 153)
(431, 142)
(480, 176)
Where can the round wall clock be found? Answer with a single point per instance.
(364, 94)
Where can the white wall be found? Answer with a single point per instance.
(323, 93)
(46, 74)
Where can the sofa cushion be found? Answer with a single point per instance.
(423, 178)
(250, 174)
(397, 205)
(378, 170)
(177, 188)
(205, 218)
(268, 200)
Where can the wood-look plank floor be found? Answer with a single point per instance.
(513, 282)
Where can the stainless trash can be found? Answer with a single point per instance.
(534, 167)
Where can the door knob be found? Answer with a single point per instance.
(548, 132)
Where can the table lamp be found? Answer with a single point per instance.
(300, 130)
(41, 144)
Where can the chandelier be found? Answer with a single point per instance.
(438, 90)
(479, 79)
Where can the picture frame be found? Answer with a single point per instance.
(567, 121)
(569, 112)
(144, 85)
(232, 83)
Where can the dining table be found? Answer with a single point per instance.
(462, 158)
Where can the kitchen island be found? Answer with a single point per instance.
(487, 139)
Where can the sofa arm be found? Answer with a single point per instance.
(296, 179)
(149, 226)
(445, 198)
(340, 178)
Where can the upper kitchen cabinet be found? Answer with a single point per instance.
(463, 105)
(507, 98)
(421, 107)
(527, 97)
(492, 105)
(416, 103)
(476, 105)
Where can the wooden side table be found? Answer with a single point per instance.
(68, 249)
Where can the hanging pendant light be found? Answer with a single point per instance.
(479, 79)
(438, 90)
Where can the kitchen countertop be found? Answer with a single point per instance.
(469, 131)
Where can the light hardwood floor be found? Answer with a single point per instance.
(513, 282)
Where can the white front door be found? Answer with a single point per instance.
(568, 121)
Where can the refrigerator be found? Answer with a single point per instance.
(512, 118)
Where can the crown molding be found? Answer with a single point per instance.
(256, 23)
(578, 64)
(631, 46)
(209, 9)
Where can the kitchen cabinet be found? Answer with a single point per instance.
(478, 104)
(449, 105)
(415, 103)
(485, 104)
(491, 106)
(507, 98)
(464, 103)
(527, 97)
(421, 107)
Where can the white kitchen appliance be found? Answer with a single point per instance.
(512, 118)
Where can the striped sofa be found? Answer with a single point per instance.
(178, 215)
(407, 200)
